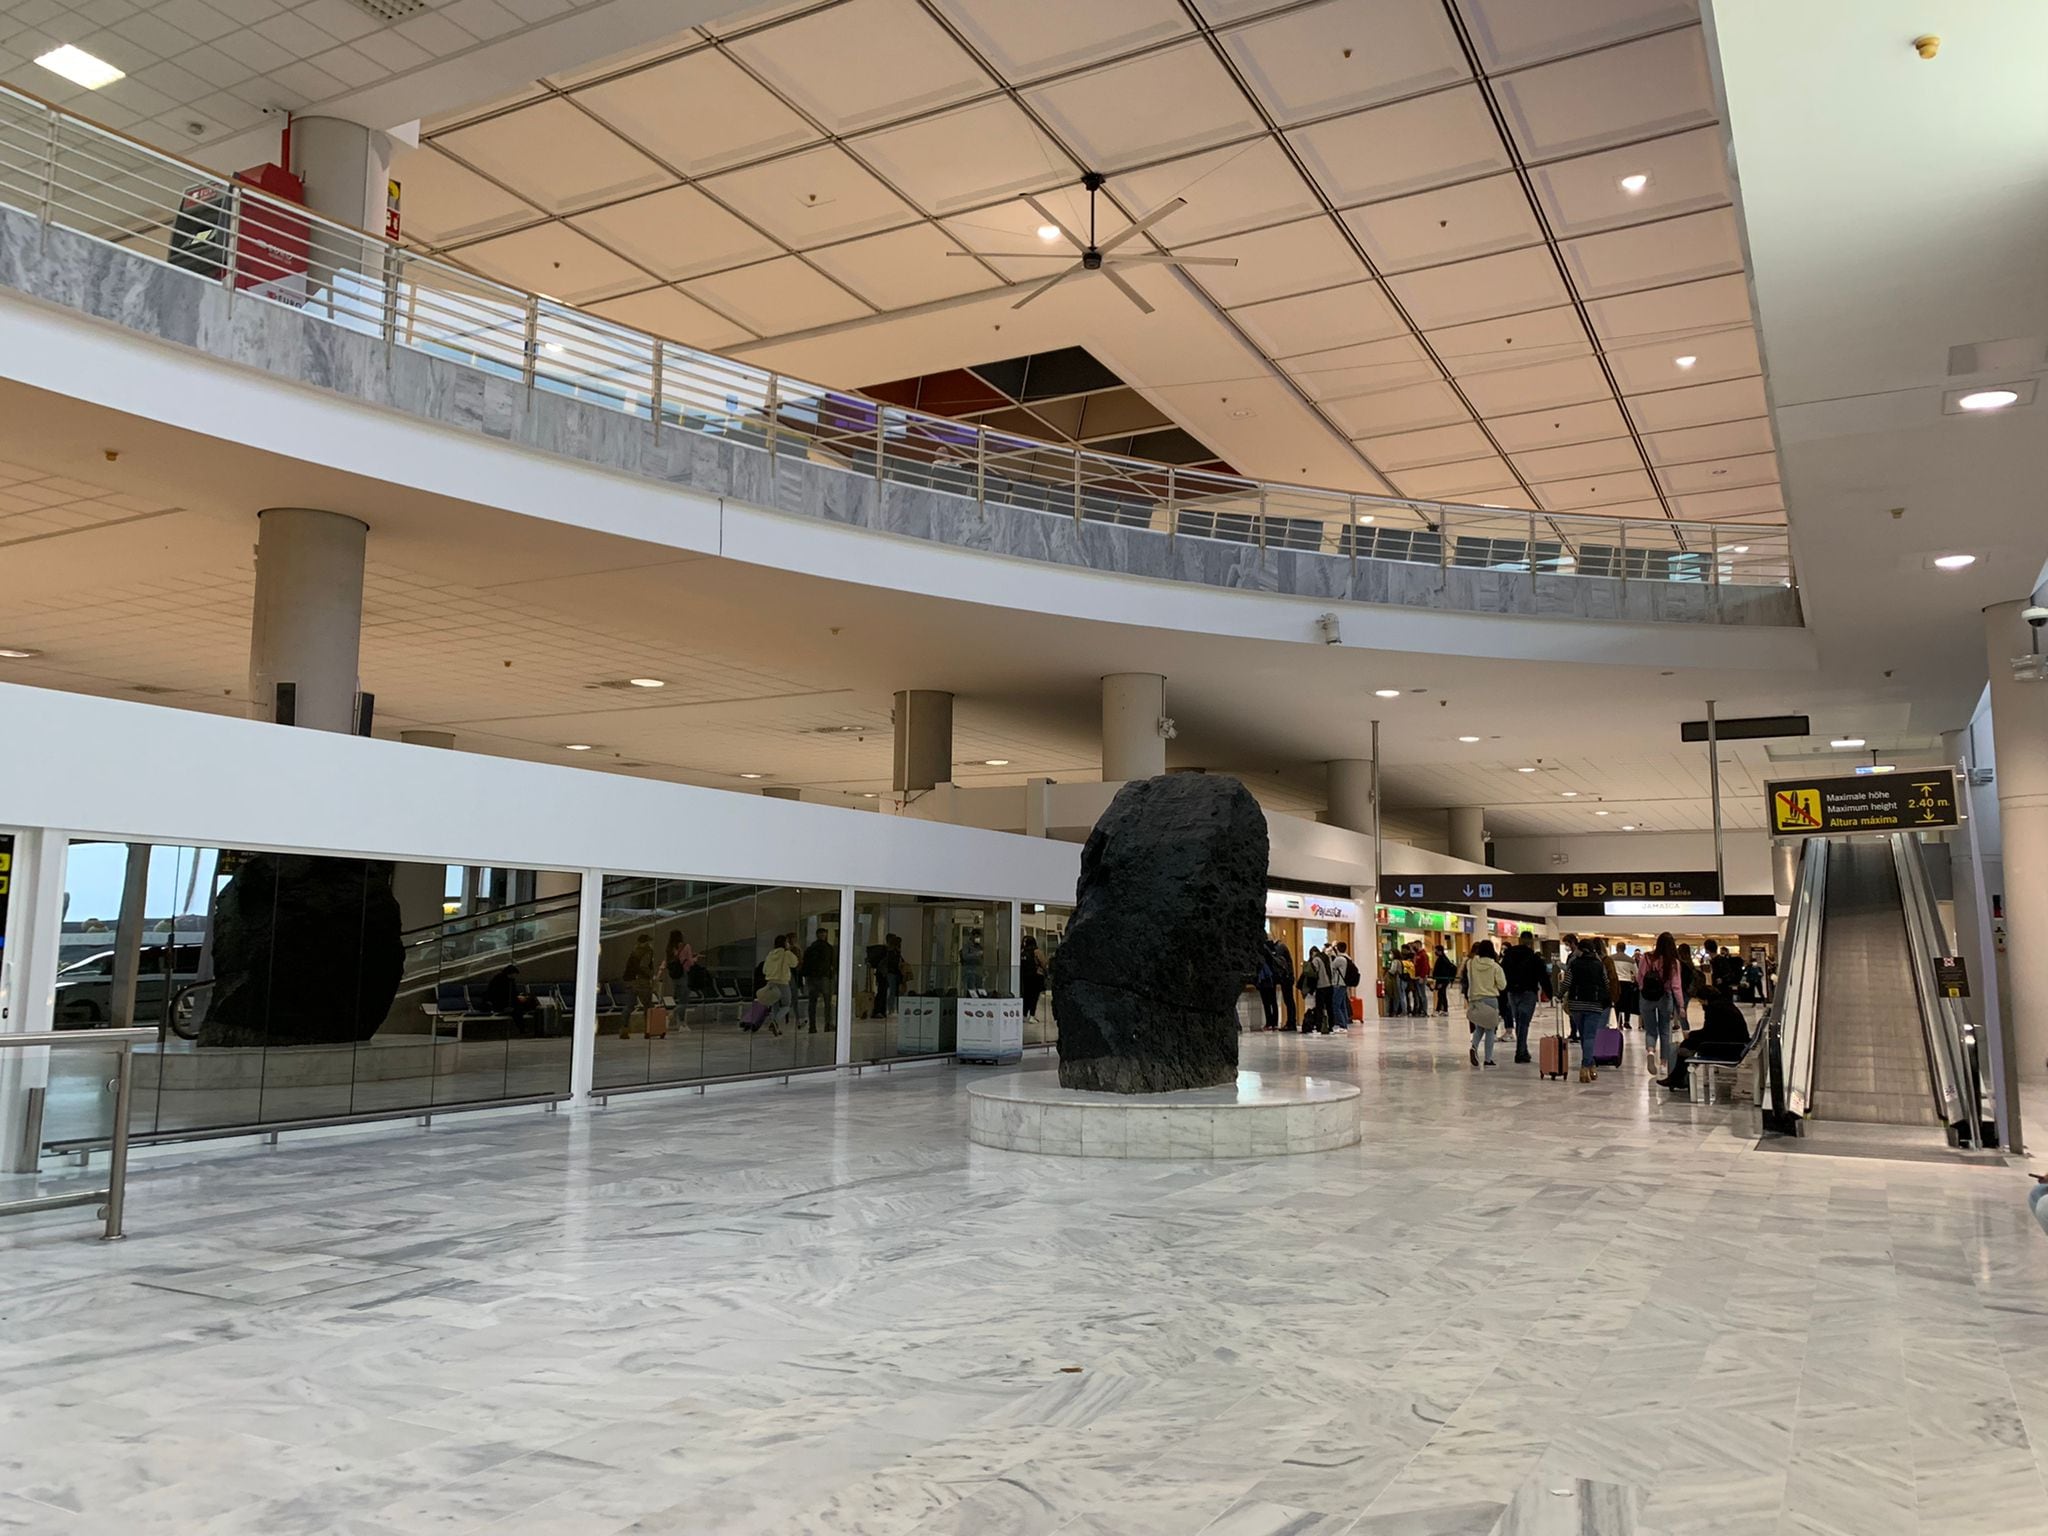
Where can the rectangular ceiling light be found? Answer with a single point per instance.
(80, 67)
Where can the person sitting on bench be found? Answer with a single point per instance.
(503, 994)
(1723, 1036)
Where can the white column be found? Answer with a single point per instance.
(1016, 948)
(1348, 799)
(1133, 704)
(308, 622)
(2019, 725)
(35, 928)
(583, 1024)
(924, 740)
(1468, 833)
(345, 167)
(845, 1049)
(1037, 807)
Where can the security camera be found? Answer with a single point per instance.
(1328, 628)
(2035, 616)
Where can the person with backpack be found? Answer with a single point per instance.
(1528, 981)
(1315, 976)
(1443, 971)
(1486, 984)
(1587, 998)
(1345, 974)
(1660, 983)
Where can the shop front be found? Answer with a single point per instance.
(1304, 921)
(1408, 941)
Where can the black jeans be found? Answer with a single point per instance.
(1269, 999)
(1443, 997)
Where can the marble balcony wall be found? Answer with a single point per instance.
(75, 272)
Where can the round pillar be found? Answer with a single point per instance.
(1348, 798)
(2019, 730)
(308, 622)
(1468, 833)
(1133, 704)
(924, 740)
(346, 168)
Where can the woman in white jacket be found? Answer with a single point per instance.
(1487, 983)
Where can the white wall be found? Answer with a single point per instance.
(1748, 854)
(144, 772)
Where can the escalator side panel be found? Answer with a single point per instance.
(1870, 1061)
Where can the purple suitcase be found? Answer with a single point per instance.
(755, 1016)
(1607, 1047)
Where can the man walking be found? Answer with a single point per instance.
(1528, 980)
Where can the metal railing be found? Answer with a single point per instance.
(1794, 1009)
(1947, 1031)
(114, 1196)
(69, 173)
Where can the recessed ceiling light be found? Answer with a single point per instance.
(1048, 232)
(1628, 826)
(1634, 183)
(18, 653)
(647, 682)
(871, 794)
(1468, 740)
(1365, 517)
(79, 67)
(1976, 400)
(1525, 770)
(1685, 362)
(995, 762)
(753, 775)
(1603, 813)
(1955, 562)
(1846, 743)
(1386, 693)
(1569, 794)
(575, 746)
(1243, 413)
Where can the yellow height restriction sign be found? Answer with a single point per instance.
(1874, 802)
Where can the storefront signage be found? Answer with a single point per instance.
(1315, 909)
(1428, 922)
(1899, 802)
(1640, 885)
(1662, 908)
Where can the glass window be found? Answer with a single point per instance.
(915, 956)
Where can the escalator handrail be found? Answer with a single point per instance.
(1940, 1017)
(1796, 1008)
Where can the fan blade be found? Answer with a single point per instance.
(1129, 292)
(1045, 213)
(1145, 223)
(1047, 287)
(1176, 261)
(1018, 255)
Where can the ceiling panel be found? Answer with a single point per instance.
(1615, 455)
(1048, 37)
(1585, 423)
(700, 113)
(811, 197)
(1593, 101)
(1510, 33)
(677, 233)
(1172, 102)
(1342, 54)
(1512, 391)
(1734, 503)
(1360, 369)
(664, 312)
(1514, 341)
(1688, 172)
(1674, 313)
(967, 157)
(904, 267)
(446, 202)
(1476, 290)
(1436, 445)
(1474, 218)
(1676, 250)
(1729, 354)
(1739, 473)
(1455, 482)
(1242, 186)
(864, 63)
(1288, 258)
(1610, 490)
(1398, 410)
(1727, 440)
(1311, 322)
(556, 157)
(1699, 406)
(554, 261)
(777, 297)
(1404, 147)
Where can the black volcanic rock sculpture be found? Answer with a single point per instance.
(1167, 919)
(306, 951)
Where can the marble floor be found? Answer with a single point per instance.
(1516, 1308)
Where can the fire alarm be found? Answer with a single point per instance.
(1927, 45)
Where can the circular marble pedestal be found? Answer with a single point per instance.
(1261, 1115)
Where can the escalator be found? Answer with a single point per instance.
(1866, 1036)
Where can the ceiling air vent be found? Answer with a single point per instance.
(391, 10)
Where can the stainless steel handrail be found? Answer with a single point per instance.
(67, 171)
(1941, 1017)
(115, 1194)
(1797, 1003)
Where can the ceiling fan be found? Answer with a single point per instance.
(1094, 257)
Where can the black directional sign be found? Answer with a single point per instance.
(1868, 802)
(1629, 885)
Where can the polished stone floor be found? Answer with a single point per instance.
(1516, 1308)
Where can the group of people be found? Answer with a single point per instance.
(777, 978)
(1325, 983)
(1412, 971)
(1659, 984)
